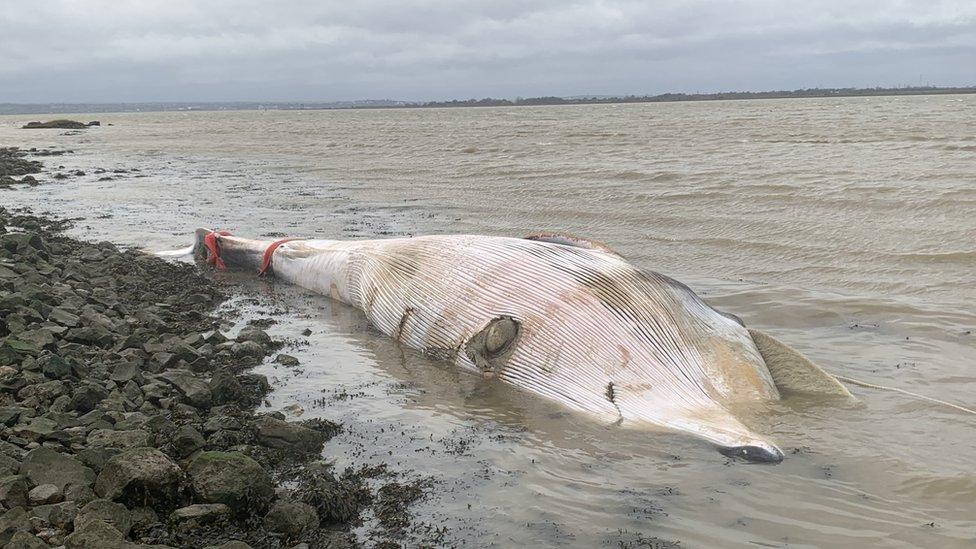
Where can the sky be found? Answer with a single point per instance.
(298, 50)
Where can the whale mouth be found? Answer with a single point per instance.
(753, 453)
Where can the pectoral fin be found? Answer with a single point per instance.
(793, 372)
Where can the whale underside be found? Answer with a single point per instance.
(559, 316)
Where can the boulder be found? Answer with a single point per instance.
(291, 518)
(14, 490)
(233, 544)
(225, 388)
(140, 474)
(118, 439)
(113, 514)
(60, 515)
(79, 494)
(248, 349)
(25, 540)
(255, 334)
(10, 414)
(231, 478)
(14, 520)
(60, 123)
(8, 466)
(36, 429)
(187, 440)
(286, 360)
(195, 390)
(45, 466)
(86, 398)
(44, 495)
(94, 534)
(276, 433)
(55, 367)
(64, 317)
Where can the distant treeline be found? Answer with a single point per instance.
(51, 108)
(668, 97)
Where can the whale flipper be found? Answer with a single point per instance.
(794, 373)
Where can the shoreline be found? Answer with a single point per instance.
(129, 414)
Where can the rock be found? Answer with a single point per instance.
(14, 490)
(113, 514)
(8, 466)
(63, 317)
(12, 450)
(225, 388)
(25, 540)
(125, 371)
(45, 466)
(92, 334)
(143, 517)
(55, 124)
(294, 409)
(55, 367)
(257, 335)
(44, 494)
(79, 494)
(95, 534)
(195, 390)
(291, 518)
(14, 520)
(118, 439)
(187, 440)
(86, 398)
(286, 360)
(217, 423)
(233, 544)
(230, 478)
(248, 349)
(60, 515)
(276, 433)
(201, 513)
(97, 457)
(10, 414)
(139, 474)
(36, 429)
(255, 387)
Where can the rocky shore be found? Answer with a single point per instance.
(128, 415)
(13, 163)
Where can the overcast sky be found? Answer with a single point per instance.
(216, 50)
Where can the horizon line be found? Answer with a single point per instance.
(11, 108)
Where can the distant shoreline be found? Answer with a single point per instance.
(58, 108)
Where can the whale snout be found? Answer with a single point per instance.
(756, 453)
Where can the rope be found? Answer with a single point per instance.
(266, 260)
(213, 249)
(860, 383)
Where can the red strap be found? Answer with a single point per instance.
(266, 261)
(213, 250)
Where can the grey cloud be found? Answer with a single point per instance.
(431, 49)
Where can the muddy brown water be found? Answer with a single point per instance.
(845, 227)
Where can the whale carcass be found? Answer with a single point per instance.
(562, 317)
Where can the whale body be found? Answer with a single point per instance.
(562, 317)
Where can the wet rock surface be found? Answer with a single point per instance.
(61, 123)
(127, 414)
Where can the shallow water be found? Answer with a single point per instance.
(845, 227)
